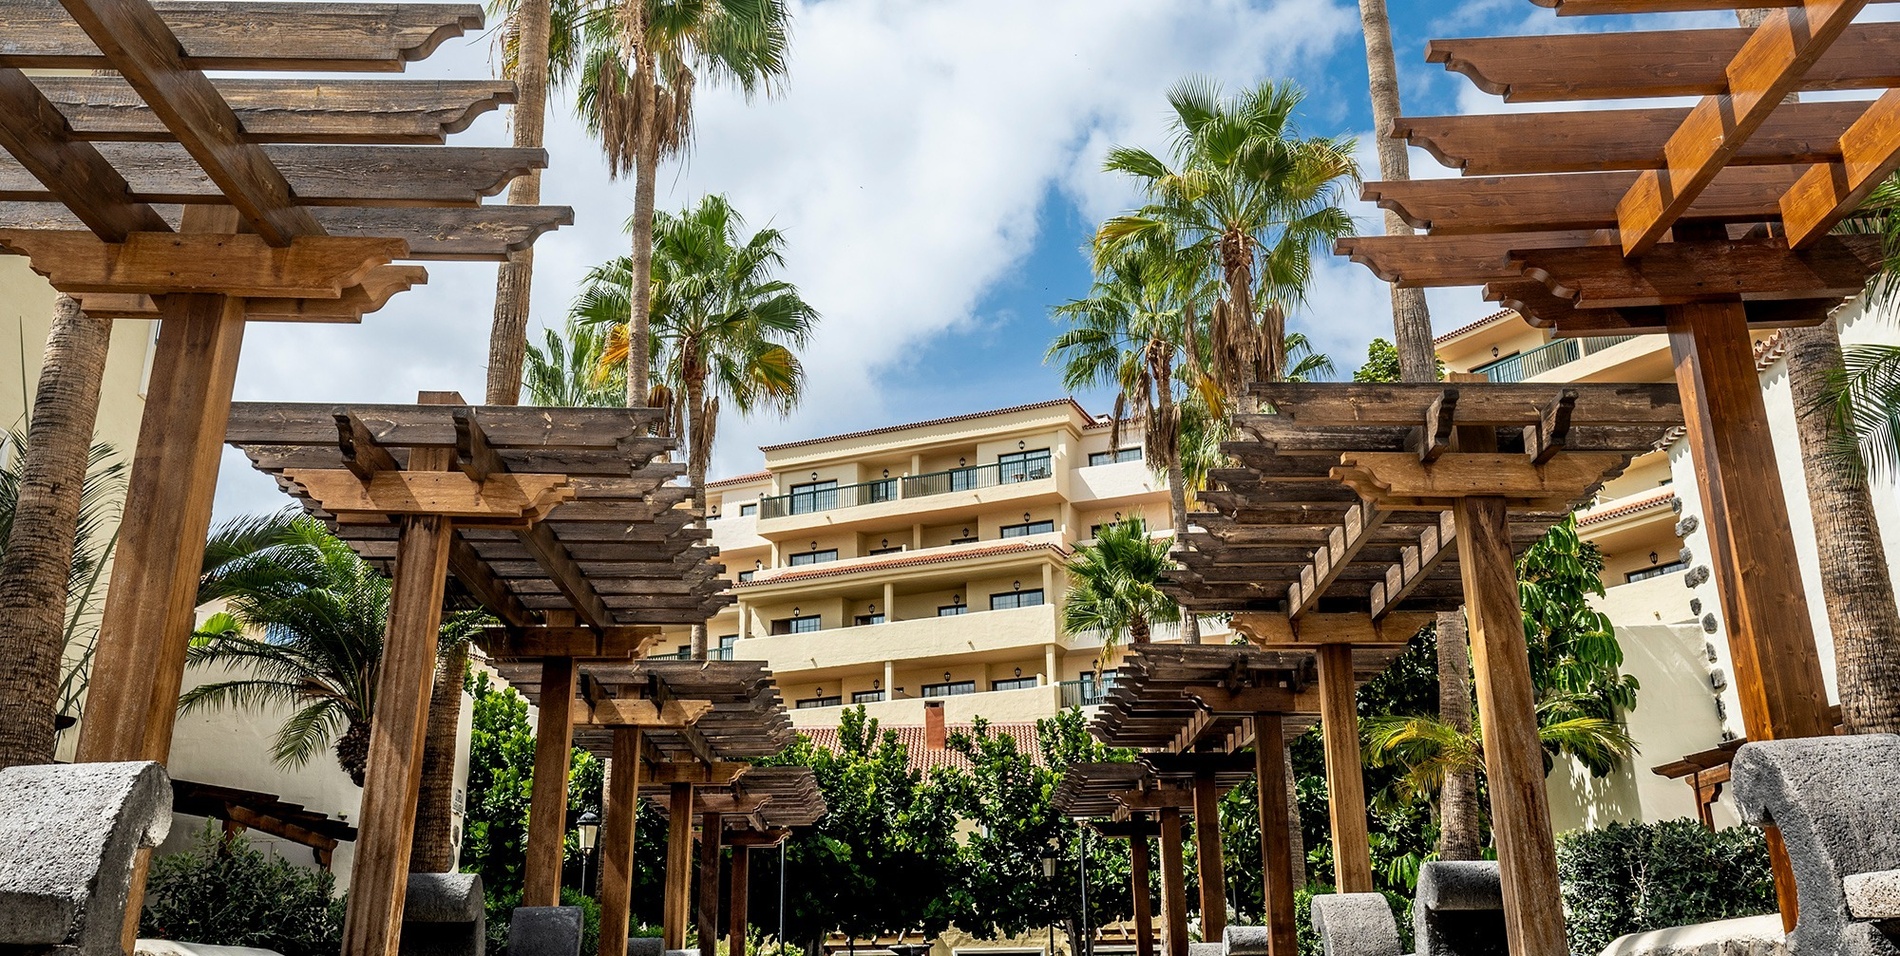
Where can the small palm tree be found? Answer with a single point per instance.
(566, 370)
(1115, 586)
(1429, 750)
(1304, 364)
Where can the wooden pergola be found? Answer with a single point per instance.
(1703, 223)
(685, 726)
(1359, 511)
(242, 810)
(1117, 800)
(533, 511)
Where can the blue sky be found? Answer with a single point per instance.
(935, 165)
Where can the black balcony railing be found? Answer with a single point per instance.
(828, 499)
(1084, 693)
(1537, 361)
(978, 476)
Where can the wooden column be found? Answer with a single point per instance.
(738, 883)
(1276, 844)
(1212, 870)
(1143, 898)
(138, 663)
(1173, 882)
(617, 843)
(379, 880)
(1513, 756)
(547, 807)
(707, 912)
(1752, 554)
(1345, 780)
(679, 865)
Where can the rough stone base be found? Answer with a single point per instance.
(1873, 895)
(544, 931)
(1748, 936)
(646, 946)
(166, 947)
(1355, 924)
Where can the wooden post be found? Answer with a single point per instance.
(1173, 882)
(547, 807)
(1144, 900)
(708, 909)
(679, 865)
(1345, 781)
(379, 880)
(1212, 870)
(1513, 756)
(617, 843)
(738, 883)
(1751, 546)
(1276, 844)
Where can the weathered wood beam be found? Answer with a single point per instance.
(1545, 439)
(1576, 8)
(74, 173)
(1505, 404)
(642, 714)
(1767, 68)
(1435, 438)
(1159, 798)
(1541, 203)
(1253, 700)
(473, 234)
(553, 556)
(325, 112)
(245, 816)
(1414, 566)
(237, 265)
(1677, 273)
(503, 497)
(473, 455)
(1276, 632)
(585, 643)
(516, 428)
(307, 37)
(1826, 194)
(1421, 262)
(755, 839)
(492, 592)
(717, 774)
(362, 456)
(377, 288)
(1342, 545)
(1395, 479)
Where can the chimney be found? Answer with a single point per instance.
(936, 737)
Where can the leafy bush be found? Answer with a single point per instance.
(227, 893)
(1628, 878)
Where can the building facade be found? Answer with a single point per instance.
(926, 562)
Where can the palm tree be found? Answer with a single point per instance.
(58, 491)
(1411, 317)
(1115, 586)
(1430, 750)
(725, 330)
(1303, 363)
(1249, 198)
(1136, 332)
(636, 95)
(567, 370)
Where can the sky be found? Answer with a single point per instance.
(935, 166)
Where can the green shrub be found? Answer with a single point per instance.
(226, 893)
(1628, 878)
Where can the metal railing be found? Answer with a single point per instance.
(1084, 693)
(978, 476)
(828, 499)
(1558, 353)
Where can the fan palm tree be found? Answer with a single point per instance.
(1115, 586)
(1430, 750)
(726, 329)
(1302, 363)
(567, 371)
(640, 69)
(1411, 316)
(1251, 200)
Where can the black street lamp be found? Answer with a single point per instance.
(1050, 855)
(588, 829)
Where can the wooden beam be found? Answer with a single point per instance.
(1173, 883)
(1397, 479)
(1541, 203)
(1343, 544)
(528, 643)
(473, 455)
(1141, 893)
(362, 455)
(554, 558)
(1513, 756)
(503, 497)
(1212, 871)
(1493, 403)
(1550, 435)
(492, 592)
(477, 234)
(642, 714)
(1574, 8)
(1249, 700)
(328, 38)
(321, 112)
(725, 805)
(677, 907)
(1416, 563)
(1826, 194)
(1435, 438)
(1276, 850)
(1767, 68)
(1424, 262)
(719, 774)
(1707, 271)
(1345, 782)
(1275, 632)
(238, 265)
(707, 908)
(617, 839)
(73, 172)
(246, 817)
(1161, 798)
(379, 878)
(755, 839)
(738, 882)
(547, 806)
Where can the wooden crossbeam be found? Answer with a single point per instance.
(530, 643)
(362, 455)
(1828, 193)
(1436, 434)
(1398, 479)
(492, 592)
(1254, 700)
(1706, 271)
(1540, 203)
(713, 774)
(1541, 308)
(394, 176)
(1575, 8)
(304, 37)
(1767, 68)
(236, 265)
(1625, 64)
(475, 234)
(1416, 563)
(510, 498)
(755, 839)
(379, 286)
(1331, 559)
(642, 714)
(1420, 262)
(474, 457)
(74, 173)
(1160, 798)
(302, 110)
(553, 556)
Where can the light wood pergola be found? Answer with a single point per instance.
(511, 501)
(1118, 800)
(1703, 223)
(1359, 511)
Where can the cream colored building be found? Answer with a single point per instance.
(926, 562)
(1648, 522)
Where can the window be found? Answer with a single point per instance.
(868, 619)
(747, 511)
(1114, 457)
(866, 696)
(874, 552)
(1028, 528)
(811, 702)
(952, 610)
(814, 496)
(745, 576)
(798, 625)
(814, 557)
(1010, 599)
(1014, 683)
(970, 540)
(1655, 572)
(955, 688)
(1023, 465)
(727, 644)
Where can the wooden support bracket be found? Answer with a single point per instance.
(155, 263)
(504, 498)
(1400, 480)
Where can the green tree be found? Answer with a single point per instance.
(1115, 586)
(224, 892)
(644, 59)
(724, 325)
(1252, 200)
(567, 371)
(1303, 363)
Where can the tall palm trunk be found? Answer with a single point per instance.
(1458, 832)
(1855, 582)
(38, 562)
(508, 336)
(1296, 834)
(1411, 319)
(433, 850)
(1167, 415)
(697, 454)
(646, 181)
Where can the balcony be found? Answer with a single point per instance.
(994, 635)
(828, 499)
(1560, 352)
(1084, 693)
(978, 476)
(1018, 478)
(999, 706)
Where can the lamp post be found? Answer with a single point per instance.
(588, 829)
(1049, 857)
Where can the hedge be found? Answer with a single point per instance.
(1628, 878)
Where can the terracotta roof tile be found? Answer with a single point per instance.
(1627, 508)
(1054, 403)
(740, 479)
(1481, 323)
(922, 757)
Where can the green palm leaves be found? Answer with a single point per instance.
(1430, 750)
(1114, 586)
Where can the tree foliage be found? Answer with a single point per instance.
(224, 892)
(1115, 586)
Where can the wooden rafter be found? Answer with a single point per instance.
(1329, 561)
(33, 130)
(1703, 271)
(1828, 193)
(326, 112)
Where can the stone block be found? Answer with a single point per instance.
(1206, 949)
(68, 837)
(1247, 941)
(1459, 910)
(544, 931)
(1873, 895)
(646, 946)
(167, 947)
(443, 915)
(1748, 936)
(1355, 924)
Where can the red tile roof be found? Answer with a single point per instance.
(1055, 403)
(901, 561)
(740, 479)
(1481, 323)
(1627, 508)
(922, 757)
